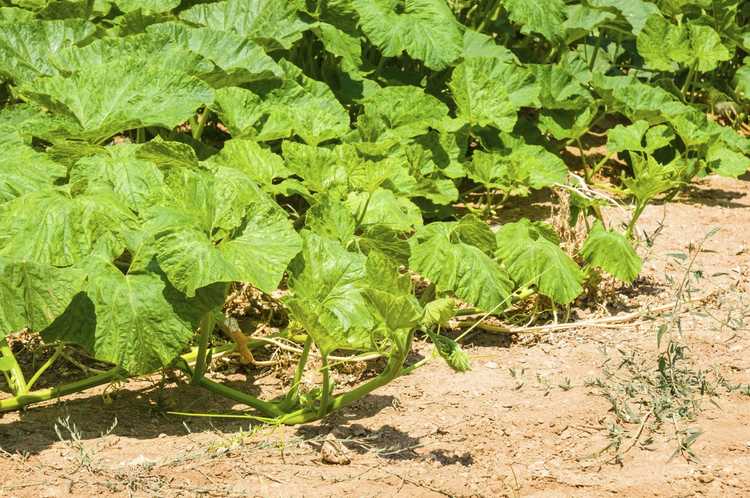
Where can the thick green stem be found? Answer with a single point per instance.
(140, 135)
(88, 9)
(584, 161)
(18, 381)
(19, 402)
(688, 80)
(267, 407)
(392, 370)
(636, 214)
(22, 400)
(293, 395)
(361, 215)
(50, 361)
(201, 124)
(327, 388)
(206, 327)
(599, 41)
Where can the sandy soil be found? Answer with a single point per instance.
(526, 421)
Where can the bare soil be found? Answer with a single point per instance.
(525, 421)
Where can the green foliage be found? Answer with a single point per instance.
(612, 252)
(155, 152)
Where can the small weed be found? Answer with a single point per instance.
(69, 434)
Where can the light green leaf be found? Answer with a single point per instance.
(390, 295)
(327, 295)
(706, 50)
(424, 29)
(319, 167)
(340, 44)
(25, 47)
(488, 91)
(462, 270)
(450, 351)
(612, 252)
(33, 295)
(302, 106)
(256, 161)
(663, 45)
(258, 255)
(382, 207)
(110, 98)
(272, 24)
(383, 239)
(533, 259)
(135, 182)
(538, 16)
(566, 124)
(630, 137)
(636, 12)
(404, 111)
(32, 121)
(580, 20)
(439, 312)
(238, 61)
(517, 171)
(137, 321)
(559, 88)
(331, 218)
(726, 162)
(147, 6)
(154, 48)
(24, 170)
(480, 45)
(659, 42)
(51, 227)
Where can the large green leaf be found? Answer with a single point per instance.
(462, 270)
(109, 98)
(636, 12)
(612, 252)
(238, 61)
(259, 254)
(273, 24)
(137, 321)
(391, 296)
(327, 295)
(403, 111)
(489, 91)
(147, 6)
(663, 45)
(52, 227)
(256, 161)
(302, 106)
(424, 29)
(382, 207)
(24, 170)
(136, 182)
(581, 20)
(517, 171)
(320, 167)
(25, 48)
(560, 88)
(727, 162)
(533, 258)
(538, 16)
(32, 121)
(154, 48)
(33, 294)
(340, 44)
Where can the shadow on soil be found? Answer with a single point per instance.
(141, 412)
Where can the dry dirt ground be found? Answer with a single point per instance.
(528, 420)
